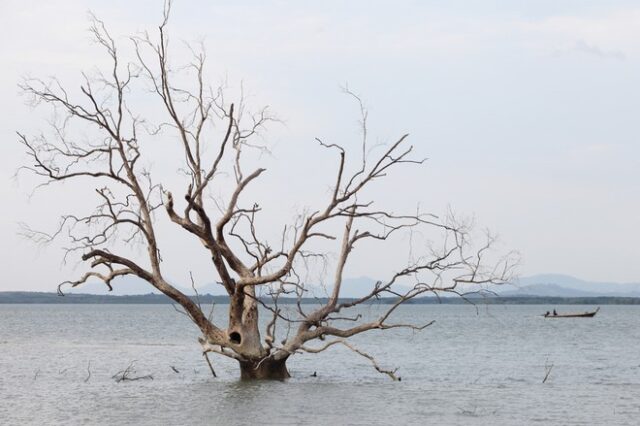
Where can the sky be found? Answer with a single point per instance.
(527, 111)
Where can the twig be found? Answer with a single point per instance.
(206, 357)
(548, 369)
(125, 375)
(88, 372)
(390, 373)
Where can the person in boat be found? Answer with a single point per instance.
(555, 314)
(547, 314)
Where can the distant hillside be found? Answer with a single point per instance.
(557, 285)
(25, 297)
(14, 297)
(129, 285)
(121, 286)
(351, 287)
(546, 290)
(543, 285)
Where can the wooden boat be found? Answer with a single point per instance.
(584, 315)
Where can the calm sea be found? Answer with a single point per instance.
(481, 366)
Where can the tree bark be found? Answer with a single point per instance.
(265, 369)
(243, 331)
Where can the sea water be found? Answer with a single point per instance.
(481, 365)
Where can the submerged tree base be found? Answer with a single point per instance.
(265, 369)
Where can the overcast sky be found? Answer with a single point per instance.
(528, 111)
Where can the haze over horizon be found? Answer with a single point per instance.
(527, 113)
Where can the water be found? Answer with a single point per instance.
(482, 367)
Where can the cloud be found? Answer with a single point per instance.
(581, 47)
(610, 36)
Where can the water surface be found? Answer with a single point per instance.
(481, 366)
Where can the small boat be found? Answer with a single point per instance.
(584, 315)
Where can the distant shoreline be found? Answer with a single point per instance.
(27, 297)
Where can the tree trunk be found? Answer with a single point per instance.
(265, 369)
(243, 331)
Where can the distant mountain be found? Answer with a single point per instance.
(130, 285)
(540, 289)
(543, 285)
(351, 287)
(21, 297)
(557, 285)
(210, 288)
(127, 285)
(546, 290)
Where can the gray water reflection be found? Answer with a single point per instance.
(483, 367)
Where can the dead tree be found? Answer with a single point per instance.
(131, 201)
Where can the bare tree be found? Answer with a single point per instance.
(130, 202)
